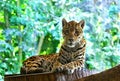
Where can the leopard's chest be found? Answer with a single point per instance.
(67, 57)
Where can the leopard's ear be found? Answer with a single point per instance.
(64, 22)
(81, 23)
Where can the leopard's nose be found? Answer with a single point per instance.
(71, 39)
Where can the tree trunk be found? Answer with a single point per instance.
(79, 75)
(40, 44)
(20, 38)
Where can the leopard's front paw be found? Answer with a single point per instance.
(68, 71)
(58, 69)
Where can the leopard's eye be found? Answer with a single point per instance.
(66, 32)
(76, 33)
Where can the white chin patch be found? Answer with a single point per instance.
(71, 46)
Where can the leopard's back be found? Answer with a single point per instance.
(38, 64)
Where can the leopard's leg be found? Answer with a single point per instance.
(57, 67)
(70, 67)
(34, 66)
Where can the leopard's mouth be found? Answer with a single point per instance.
(71, 44)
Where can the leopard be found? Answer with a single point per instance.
(71, 55)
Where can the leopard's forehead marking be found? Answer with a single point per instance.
(72, 25)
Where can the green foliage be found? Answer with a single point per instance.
(24, 22)
(49, 44)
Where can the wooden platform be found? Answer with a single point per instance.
(49, 76)
(112, 74)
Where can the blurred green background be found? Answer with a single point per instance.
(32, 27)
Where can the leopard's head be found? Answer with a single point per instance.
(72, 32)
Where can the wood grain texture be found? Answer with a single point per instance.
(112, 74)
(49, 76)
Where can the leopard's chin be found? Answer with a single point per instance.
(71, 45)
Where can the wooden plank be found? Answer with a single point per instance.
(112, 74)
(14, 78)
(49, 76)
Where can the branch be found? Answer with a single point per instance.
(6, 18)
(2, 25)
